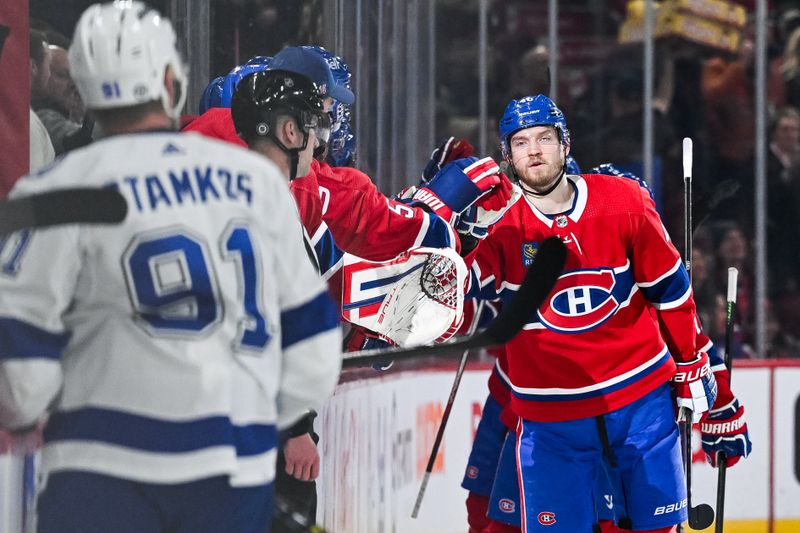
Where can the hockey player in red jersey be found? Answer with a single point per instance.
(590, 373)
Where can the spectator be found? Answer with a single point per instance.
(61, 101)
(791, 69)
(783, 200)
(41, 147)
(732, 250)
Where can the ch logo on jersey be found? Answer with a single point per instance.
(529, 251)
(506, 505)
(546, 518)
(580, 301)
(472, 472)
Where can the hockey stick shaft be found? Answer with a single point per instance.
(440, 433)
(446, 415)
(538, 283)
(687, 204)
(64, 206)
(702, 515)
(722, 465)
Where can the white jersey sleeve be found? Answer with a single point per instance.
(168, 348)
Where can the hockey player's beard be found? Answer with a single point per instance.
(542, 179)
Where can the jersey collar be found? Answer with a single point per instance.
(578, 202)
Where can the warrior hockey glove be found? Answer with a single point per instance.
(487, 211)
(458, 185)
(695, 386)
(725, 430)
(449, 150)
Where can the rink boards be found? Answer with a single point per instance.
(377, 434)
(378, 429)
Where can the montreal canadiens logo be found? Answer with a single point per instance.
(506, 505)
(547, 518)
(581, 300)
(472, 472)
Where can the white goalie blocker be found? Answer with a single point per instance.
(414, 299)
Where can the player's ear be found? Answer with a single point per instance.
(169, 84)
(566, 149)
(289, 132)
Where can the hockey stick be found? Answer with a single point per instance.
(702, 515)
(538, 283)
(64, 206)
(445, 416)
(733, 276)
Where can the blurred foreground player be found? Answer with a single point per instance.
(170, 349)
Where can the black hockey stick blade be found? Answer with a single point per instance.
(538, 283)
(65, 206)
(701, 516)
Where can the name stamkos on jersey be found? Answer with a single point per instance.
(580, 301)
(671, 508)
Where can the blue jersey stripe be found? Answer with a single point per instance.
(22, 340)
(328, 254)
(597, 392)
(669, 289)
(438, 234)
(312, 318)
(153, 435)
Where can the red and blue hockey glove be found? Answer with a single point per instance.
(725, 430)
(450, 150)
(458, 185)
(487, 211)
(695, 387)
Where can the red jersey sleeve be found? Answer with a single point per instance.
(660, 275)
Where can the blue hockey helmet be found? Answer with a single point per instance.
(342, 141)
(220, 91)
(212, 95)
(255, 64)
(528, 112)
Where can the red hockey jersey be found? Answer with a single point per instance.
(618, 315)
(366, 223)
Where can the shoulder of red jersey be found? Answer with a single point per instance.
(216, 123)
(344, 177)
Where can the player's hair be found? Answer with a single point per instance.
(38, 44)
(125, 117)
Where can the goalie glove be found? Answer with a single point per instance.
(458, 185)
(487, 211)
(695, 387)
(450, 150)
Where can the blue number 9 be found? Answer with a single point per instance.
(171, 285)
(174, 291)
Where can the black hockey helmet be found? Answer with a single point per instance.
(262, 97)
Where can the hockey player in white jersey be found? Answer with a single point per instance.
(170, 349)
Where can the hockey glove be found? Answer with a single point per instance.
(487, 211)
(695, 387)
(449, 150)
(725, 430)
(458, 185)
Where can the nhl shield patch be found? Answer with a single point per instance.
(529, 251)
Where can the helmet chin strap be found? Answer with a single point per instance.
(292, 153)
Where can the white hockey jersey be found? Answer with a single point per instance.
(168, 348)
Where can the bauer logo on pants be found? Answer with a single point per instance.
(547, 518)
